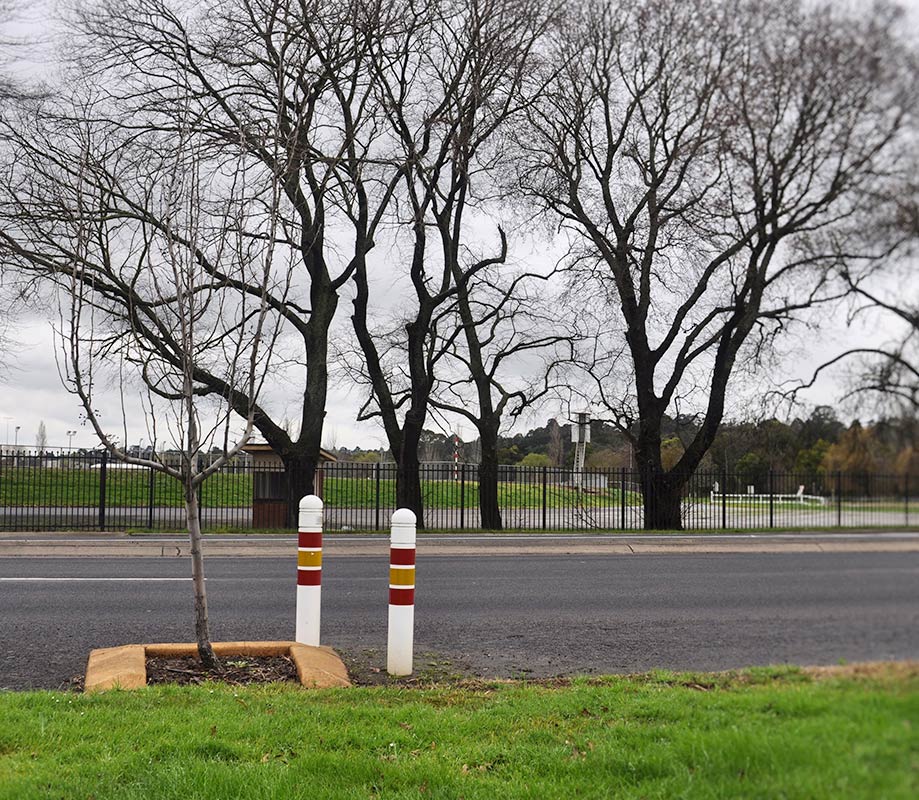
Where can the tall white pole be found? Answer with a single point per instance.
(309, 570)
(400, 641)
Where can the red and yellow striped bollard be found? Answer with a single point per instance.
(309, 570)
(400, 642)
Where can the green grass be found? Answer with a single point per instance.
(61, 488)
(767, 734)
(357, 492)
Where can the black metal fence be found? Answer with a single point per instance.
(85, 490)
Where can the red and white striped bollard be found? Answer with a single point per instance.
(400, 641)
(309, 570)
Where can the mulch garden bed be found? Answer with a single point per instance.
(236, 671)
(365, 667)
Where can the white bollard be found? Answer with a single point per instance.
(399, 646)
(309, 570)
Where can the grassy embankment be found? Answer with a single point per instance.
(763, 733)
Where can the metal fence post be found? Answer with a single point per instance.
(103, 475)
(151, 487)
(200, 466)
(906, 496)
(622, 498)
(545, 485)
(463, 496)
(724, 498)
(838, 499)
(771, 499)
(376, 522)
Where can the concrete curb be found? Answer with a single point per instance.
(126, 667)
(614, 544)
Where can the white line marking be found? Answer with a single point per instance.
(112, 580)
(510, 537)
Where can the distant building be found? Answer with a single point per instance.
(269, 484)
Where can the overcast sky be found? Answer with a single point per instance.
(31, 392)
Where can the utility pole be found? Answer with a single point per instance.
(580, 436)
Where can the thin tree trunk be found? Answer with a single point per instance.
(202, 633)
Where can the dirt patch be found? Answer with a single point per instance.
(368, 668)
(867, 670)
(235, 671)
(74, 684)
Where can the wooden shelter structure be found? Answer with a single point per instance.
(269, 485)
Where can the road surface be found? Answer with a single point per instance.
(500, 615)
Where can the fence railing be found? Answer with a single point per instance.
(79, 490)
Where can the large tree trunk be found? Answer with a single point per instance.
(488, 478)
(202, 632)
(661, 490)
(662, 501)
(300, 480)
(408, 469)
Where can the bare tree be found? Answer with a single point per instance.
(507, 356)
(178, 328)
(884, 374)
(11, 90)
(285, 81)
(11, 47)
(7, 318)
(449, 81)
(143, 230)
(706, 160)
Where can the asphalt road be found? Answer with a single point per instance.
(499, 615)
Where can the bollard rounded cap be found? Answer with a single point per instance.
(310, 503)
(403, 516)
(403, 528)
(310, 517)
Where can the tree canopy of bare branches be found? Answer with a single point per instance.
(286, 84)
(713, 167)
(883, 373)
(450, 81)
(509, 356)
(712, 163)
(11, 89)
(142, 232)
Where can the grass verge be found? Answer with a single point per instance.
(42, 487)
(758, 733)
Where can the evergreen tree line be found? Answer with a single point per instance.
(814, 445)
